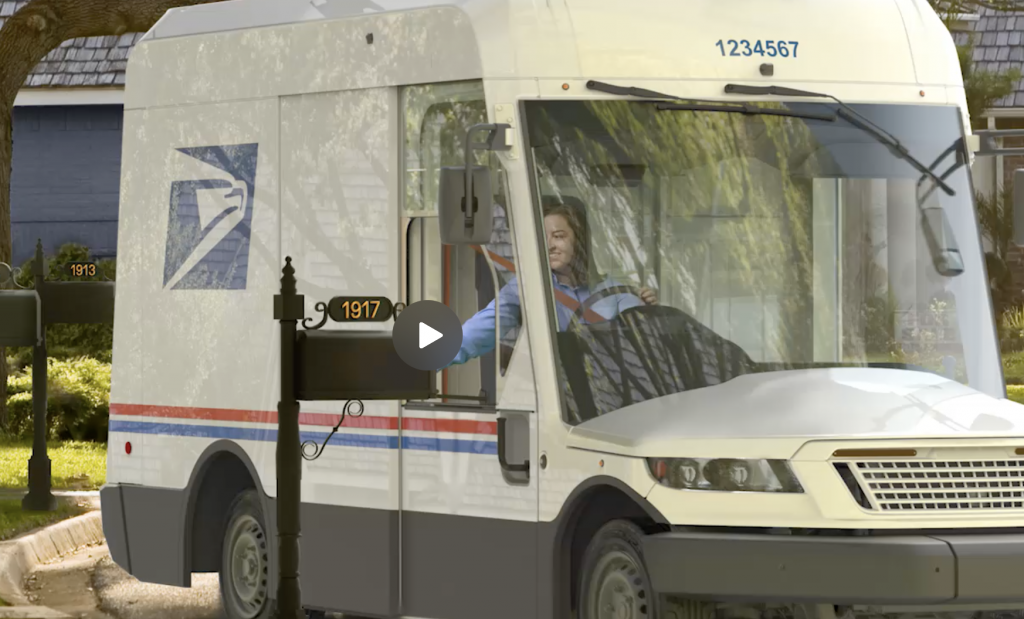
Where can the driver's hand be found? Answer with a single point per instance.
(649, 296)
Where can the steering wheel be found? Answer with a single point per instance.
(604, 294)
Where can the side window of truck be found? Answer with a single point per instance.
(467, 279)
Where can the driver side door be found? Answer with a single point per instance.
(468, 515)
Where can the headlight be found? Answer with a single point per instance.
(725, 474)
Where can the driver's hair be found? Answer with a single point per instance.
(583, 269)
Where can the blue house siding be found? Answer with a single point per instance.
(65, 178)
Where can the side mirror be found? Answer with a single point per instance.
(459, 227)
(942, 244)
(464, 205)
(1018, 207)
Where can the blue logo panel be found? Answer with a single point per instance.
(210, 221)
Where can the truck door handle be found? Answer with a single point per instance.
(511, 468)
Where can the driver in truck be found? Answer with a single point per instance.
(574, 276)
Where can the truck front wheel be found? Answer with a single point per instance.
(245, 560)
(614, 583)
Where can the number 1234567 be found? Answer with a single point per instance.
(744, 47)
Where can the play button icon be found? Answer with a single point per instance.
(427, 335)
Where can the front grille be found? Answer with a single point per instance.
(938, 485)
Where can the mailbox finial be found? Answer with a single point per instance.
(288, 281)
(38, 268)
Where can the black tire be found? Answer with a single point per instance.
(245, 586)
(613, 574)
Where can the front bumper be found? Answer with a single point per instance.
(904, 569)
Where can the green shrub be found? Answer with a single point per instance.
(1011, 330)
(1013, 368)
(78, 400)
(68, 341)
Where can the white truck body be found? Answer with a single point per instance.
(259, 129)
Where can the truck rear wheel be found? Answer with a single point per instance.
(245, 560)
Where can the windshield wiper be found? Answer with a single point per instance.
(851, 116)
(938, 234)
(710, 106)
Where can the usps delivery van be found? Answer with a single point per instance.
(808, 420)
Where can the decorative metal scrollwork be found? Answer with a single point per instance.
(397, 310)
(322, 308)
(317, 452)
(11, 274)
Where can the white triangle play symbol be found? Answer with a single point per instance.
(428, 336)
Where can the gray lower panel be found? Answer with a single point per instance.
(553, 586)
(459, 567)
(990, 568)
(456, 567)
(154, 519)
(836, 570)
(348, 559)
(112, 514)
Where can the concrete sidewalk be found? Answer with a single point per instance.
(21, 555)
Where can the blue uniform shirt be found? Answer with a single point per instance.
(478, 331)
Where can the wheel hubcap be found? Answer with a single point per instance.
(617, 590)
(248, 567)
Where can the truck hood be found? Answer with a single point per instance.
(772, 414)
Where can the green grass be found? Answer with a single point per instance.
(14, 521)
(74, 465)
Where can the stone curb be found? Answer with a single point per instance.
(31, 612)
(21, 555)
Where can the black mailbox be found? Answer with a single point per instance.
(355, 365)
(78, 302)
(20, 318)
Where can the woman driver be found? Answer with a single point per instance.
(568, 237)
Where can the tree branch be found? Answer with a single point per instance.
(33, 32)
(42, 25)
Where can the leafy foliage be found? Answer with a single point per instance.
(995, 217)
(983, 88)
(1011, 330)
(78, 400)
(949, 8)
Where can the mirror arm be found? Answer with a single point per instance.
(467, 202)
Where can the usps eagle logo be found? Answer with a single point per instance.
(210, 222)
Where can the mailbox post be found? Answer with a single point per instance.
(25, 316)
(39, 497)
(288, 309)
(324, 365)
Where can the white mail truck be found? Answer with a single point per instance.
(723, 294)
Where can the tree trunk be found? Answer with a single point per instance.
(25, 39)
(5, 235)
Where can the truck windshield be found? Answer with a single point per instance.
(688, 247)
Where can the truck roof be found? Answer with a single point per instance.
(882, 42)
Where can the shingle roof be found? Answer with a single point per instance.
(93, 61)
(998, 46)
